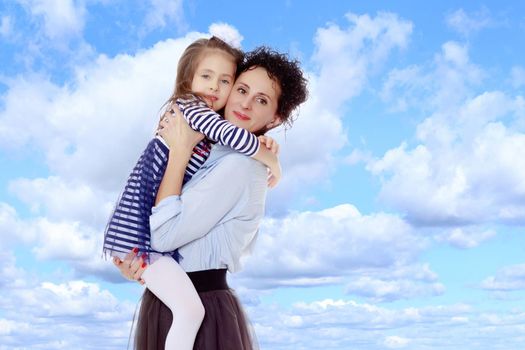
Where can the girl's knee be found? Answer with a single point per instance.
(199, 312)
(193, 312)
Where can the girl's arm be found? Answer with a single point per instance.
(267, 154)
(204, 120)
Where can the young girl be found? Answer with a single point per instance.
(205, 76)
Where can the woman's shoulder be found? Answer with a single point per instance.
(240, 164)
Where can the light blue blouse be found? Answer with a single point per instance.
(216, 218)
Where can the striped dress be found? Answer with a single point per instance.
(128, 226)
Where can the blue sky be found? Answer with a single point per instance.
(398, 223)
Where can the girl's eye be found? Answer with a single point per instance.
(225, 81)
(205, 76)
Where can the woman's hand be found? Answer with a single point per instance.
(132, 267)
(178, 134)
(181, 140)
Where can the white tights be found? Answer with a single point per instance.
(166, 279)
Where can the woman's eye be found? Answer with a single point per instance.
(205, 76)
(262, 101)
(241, 91)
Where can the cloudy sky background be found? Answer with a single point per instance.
(398, 224)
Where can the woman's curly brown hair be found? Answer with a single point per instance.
(286, 72)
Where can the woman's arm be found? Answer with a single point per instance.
(215, 198)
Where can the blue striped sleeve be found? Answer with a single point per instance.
(215, 128)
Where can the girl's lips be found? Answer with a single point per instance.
(212, 98)
(241, 116)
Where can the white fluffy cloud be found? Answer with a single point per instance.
(79, 309)
(6, 26)
(61, 18)
(227, 33)
(306, 158)
(309, 148)
(12, 276)
(50, 239)
(466, 171)
(63, 241)
(509, 278)
(468, 24)
(401, 281)
(76, 310)
(442, 86)
(33, 315)
(75, 243)
(395, 342)
(346, 56)
(57, 199)
(346, 241)
(93, 129)
(466, 165)
(388, 288)
(13, 229)
(34, 311)
(517, 76)
(341, 324)
(162, 13)
(465, 237)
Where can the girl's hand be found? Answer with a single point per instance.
(132, 267)
(270, 143)
(274, 174)
(270, 160)
(178, 134)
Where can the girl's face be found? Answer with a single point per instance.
(213, 78)
(252, 104)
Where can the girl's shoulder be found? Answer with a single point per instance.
(190, 101)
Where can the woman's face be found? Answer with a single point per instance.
(252, 104)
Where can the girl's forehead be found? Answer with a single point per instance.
(216, 54)
(217, 61)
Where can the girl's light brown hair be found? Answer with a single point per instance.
(191, 58)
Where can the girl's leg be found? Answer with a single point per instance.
(166, 279)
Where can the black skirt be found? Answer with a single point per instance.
(225, 325)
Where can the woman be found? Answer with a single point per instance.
(215, 219)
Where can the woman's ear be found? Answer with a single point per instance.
(274, 123)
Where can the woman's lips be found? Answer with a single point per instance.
(241, 116)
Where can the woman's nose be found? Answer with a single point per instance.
(246, 103)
